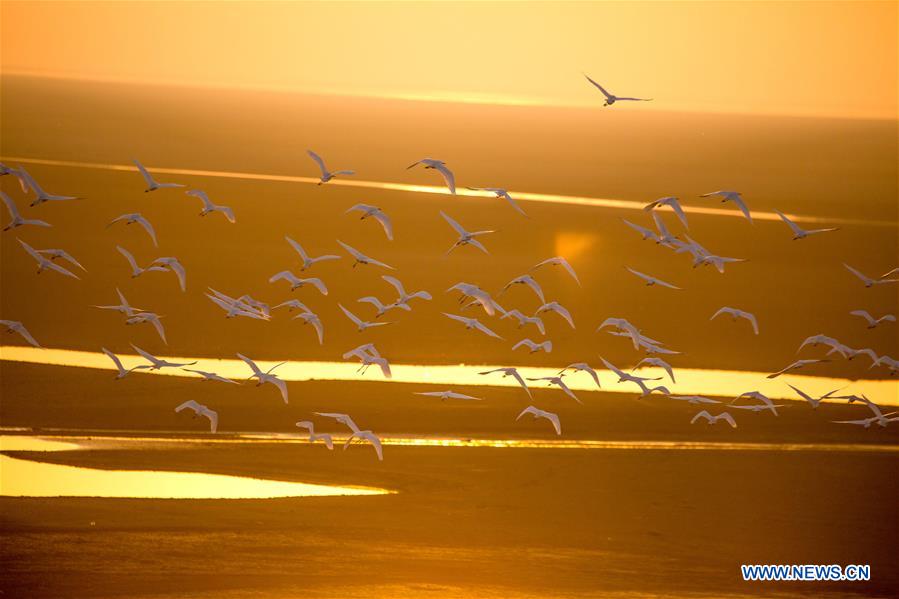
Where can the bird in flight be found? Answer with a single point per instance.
(209, 207)
(14, 326)
(799, 232)
(611, 98)
(377, 214)
(713, 419)
(439, 166)
(17, 220)
(538, 413)
(501, 193)
(326, 175)
(201, 410)
(735, 314)
(152, 184)
(136, 217)
(731, 196)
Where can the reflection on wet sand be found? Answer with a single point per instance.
(522, 196)
(24, 478)
(690, 381)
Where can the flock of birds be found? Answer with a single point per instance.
(470, 296)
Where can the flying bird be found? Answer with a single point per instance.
(266, 377)
(403, 297)
(799, 232)
(582, 367)
(123, 306)
(546, 346)
(44, 263)
(158, 363)
(16, 218)
(693, 399)
(439, 166)
(137, 270)
(523, 320)
(501, 193)
(381, 307)
(674, 203)
(14, 326)
(152, 184)
(209, 207)
(369, 356)
(55, 254)
(170, 263)
(873, 322)
(296, 282)
(313, 437)
(558, 309)
(26, 180)
(291, 305)
(611, 98)
(361, 258)
(538, 413)
(530, 282)
(465, 237)
(734, 314)
(811, 400)
(312, 318)
(558, 382)
(868, 281)
(377, 214)
(201, 410)
(361, 325)
(149, 317)
(211, 376)
(794, 366)
(731, 196)
(650, 281)
(559, 261)
(513, 372)
(326, 174)
(307, 260)
(135, 217)
(658, 363)
(356, 433)
(472, 323)
(713, 419)
(122, 372)
(444, 395)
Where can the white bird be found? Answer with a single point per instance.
(713, 419)
(292, 305)
(513, 372)
(403, 297)
(381, 307)
(234, 307)
(530, 282)
(558, 309)
(665, 237)
(201, 410)
(17, 220)
(296, 282)
(559, 261)
(582, 367)
(658, 363)
(756, 395)
(811, 400)
(538, 413)
(759, 408)
(312, 318)
(118, 364)
(326, 174)
(868, 281)
(624, 376)
(56, 254)
(152, 184)
(361, 325)
(439, 166)
(523, 320)
(14, 326)
(135, 217)
(890, 273)
(558, 382)
(795, 366)
(44, 263)
(172, 264)
(478, 295)
(136, 270)
(123, 306)
(472, 323)
(646, 391)
(209, 207)
(361, 258)
(444, 395)
(501, 193)
(377, 214)
(465, 237)
(799, 232)
(366, 436)
(158, 363)
(211, 376)
(890, 363)
(313, 437)
(307, 260)
(152, 318)
(867, 422)
(816, 340)
(341, 418)
(643, 231)
(674, 203)
(624, 326)
(693, 399)
(266, 377)
(42, 196)
(650, 281)
(611, 98)
(546, 346)
(368, 355)
(873, 322)
(850, 353)
(731, 196)
(735, 313)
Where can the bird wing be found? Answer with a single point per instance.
(10, 206)
(528, 410)
(299, 249)
(318, 160)
(353, 251)
(675, 205)
(351, 316)
(598, 86)
(455, 225)
(728, 418)
(318, 284)
(701, 414)
(385, 223)
(189, 404)
(227, 211)
(115, 359)
(664, 284)
(570, 270)
(479, 326)
(858, 274)
(448, 177)
(743, 208)
(554, 418)
(751, 318)
(793, 226)
(144, 173)
(147, 227)
(21, 330)
(396, 284)
(157, 324)
(251, 364)
(281, 385)
(285, 275)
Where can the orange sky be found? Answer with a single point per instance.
(806, 58)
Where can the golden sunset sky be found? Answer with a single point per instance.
(798, 58)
